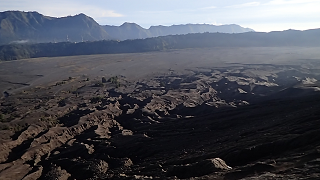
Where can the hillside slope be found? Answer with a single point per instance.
(17, 26)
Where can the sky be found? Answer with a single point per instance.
(260, 15)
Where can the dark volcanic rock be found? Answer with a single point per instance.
(202, 168)
(166, 126)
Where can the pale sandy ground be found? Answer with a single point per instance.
(40, 71)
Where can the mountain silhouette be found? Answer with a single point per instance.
(33, 27)
(134, 31)
(17, 26)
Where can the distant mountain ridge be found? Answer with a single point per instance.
(18, 26)
(308, 38)
(134, 31)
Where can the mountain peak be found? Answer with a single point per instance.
(81, 15)
(129, 24)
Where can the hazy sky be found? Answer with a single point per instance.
(261, 15)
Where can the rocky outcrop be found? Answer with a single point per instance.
(57, 173)
(163, 127)
(202, 168)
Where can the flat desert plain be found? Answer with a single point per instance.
(40, 71)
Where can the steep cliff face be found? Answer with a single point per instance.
(20, 27)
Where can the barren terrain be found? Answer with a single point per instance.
(215, 113)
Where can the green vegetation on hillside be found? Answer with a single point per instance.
(114, 80)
